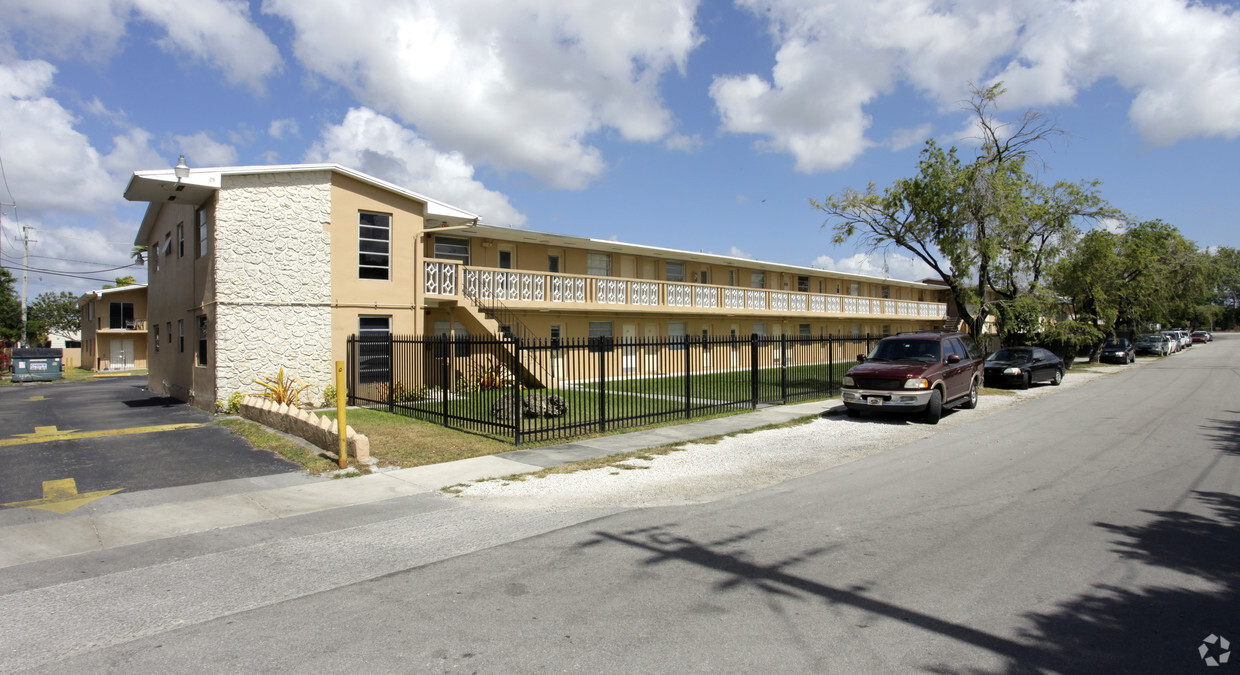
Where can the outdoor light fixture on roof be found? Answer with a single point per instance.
(181, 169)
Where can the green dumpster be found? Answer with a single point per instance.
(36, 364)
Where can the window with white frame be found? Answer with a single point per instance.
(203, 233)
(180, 240)
(600, 329)
(759, 329)
(598, 264)
(855, 288)
(373, 333)
(452, 248)
(675, 271)
(374, 246)
(757, 279)
(886, 291)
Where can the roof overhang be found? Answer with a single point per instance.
(161, 187)
(91, 296)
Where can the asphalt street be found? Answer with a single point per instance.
(112, 434)
(1096, 530)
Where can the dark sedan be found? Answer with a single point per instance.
(1022, 366)
(1118, 350)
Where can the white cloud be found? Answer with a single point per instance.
(907, 138)
(877, 264)
(1180, 61)
(201, 150)
(684, 143)
(283, 128)
(217, 33)
(377, 145)
(517, 84)
(50, 165)
(738, 253)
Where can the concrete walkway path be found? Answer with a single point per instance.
(30, 535)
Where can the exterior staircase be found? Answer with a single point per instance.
(503, 324)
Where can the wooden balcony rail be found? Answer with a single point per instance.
(450, 278)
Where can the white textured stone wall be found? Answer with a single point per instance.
(273, 281)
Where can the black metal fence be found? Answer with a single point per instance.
(540, 389)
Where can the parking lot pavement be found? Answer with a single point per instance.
(63, 443)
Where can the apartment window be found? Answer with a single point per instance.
(180, 336)
(598, 264)
(203, 243)
(757, 279)
(168, 244)
(156, 327)
(804, 331)
(675, 271)
(886, 329)
(202, 341)
(374, 246)
(600, 329)
(452, 248)
(702, 277)
(153, 249)
(557, 334)
(731, 277)
(803, 284)
(886, 291)
(505, 258)
(373, 333)
(855, 288)
(759, 329)
(180, 240)
(553, 263)
(856, 330)
(120, 315)
(169, 325)
(676, 332)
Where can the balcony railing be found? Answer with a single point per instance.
(448, 278)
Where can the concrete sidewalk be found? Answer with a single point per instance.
(30, 535)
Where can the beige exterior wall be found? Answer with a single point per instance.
(181, 279)
(100, 341)
(353, 297)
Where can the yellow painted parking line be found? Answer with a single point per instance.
(46, 434)
(61, 496)
(36, 398)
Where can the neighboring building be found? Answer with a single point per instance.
(256, 268)
(114, 335)
(70, 347)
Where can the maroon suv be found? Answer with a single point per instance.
(921, 372)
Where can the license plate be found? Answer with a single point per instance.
(874, 400)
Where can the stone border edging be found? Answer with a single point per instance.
(320, 431)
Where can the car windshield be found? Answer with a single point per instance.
(1120, 343)
(1149, 338)
(926, 351)
(1017, 355)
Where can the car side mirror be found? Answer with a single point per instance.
(861, 358)
(953, 358)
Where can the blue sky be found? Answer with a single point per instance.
(693, 125)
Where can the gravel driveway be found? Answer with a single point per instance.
(703, 472)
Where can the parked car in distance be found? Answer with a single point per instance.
(1118, 350)
(1153, 343)
(1174, 339)
(1022, 366)
(919, 373)
(1200, 337)
(1186, 339)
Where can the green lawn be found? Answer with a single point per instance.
(800, 379)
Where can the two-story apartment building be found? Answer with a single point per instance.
(114, 330)
(275, 266)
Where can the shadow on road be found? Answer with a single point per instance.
(1132, 630)
(774, 578)
(1159, 628)
(1226, 434)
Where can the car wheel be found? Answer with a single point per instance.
(971, 402)
(934, 410)
(1024, 383)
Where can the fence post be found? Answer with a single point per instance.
(602, 383)
(753, 369)
(348, 355)
(443, 379)
(516, 387)
(783, 367)
(830, 366)
(688, 382)
(391, 376)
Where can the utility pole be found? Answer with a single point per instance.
(25, 267)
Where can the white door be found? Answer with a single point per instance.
(121, 356)
(629, 333)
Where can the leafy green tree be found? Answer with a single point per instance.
(122, 281)
(986, 227)
(53, 314)
(1227, 285)
(10, 308)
